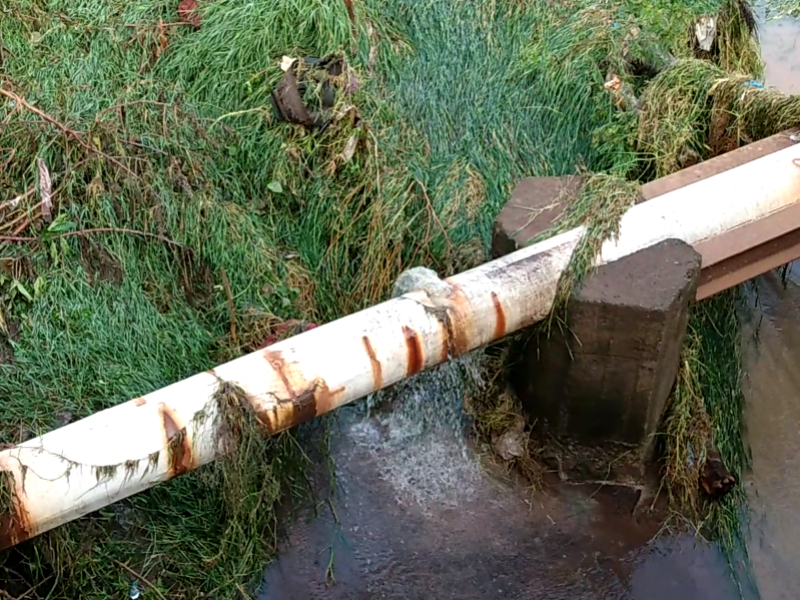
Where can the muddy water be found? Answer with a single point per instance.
(407, 511)
(771, 351)
(475, 537)
(780, 49)
(772, 366)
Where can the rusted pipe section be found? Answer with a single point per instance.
(126, 449)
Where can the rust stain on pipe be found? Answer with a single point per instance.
(458, 319)
(304, 407)
(286, 413)
(278, 364)
(413, 351)
(500, 317)
(313, 398)
(377, 370)
(325, 397)
(179, 446)
(14, 524)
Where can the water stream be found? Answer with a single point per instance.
(406, 511)
(771, 350)
(409, 512)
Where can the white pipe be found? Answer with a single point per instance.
(123, 450)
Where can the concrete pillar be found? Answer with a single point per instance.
(600, 384)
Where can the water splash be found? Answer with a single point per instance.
(416, 433)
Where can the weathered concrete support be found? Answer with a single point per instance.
(601, 380)
(607, 374)
(126, 449)
(604, 377)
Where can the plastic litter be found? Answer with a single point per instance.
(705, 30)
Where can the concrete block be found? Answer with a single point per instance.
(603, 379)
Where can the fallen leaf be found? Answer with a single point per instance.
(349, 149)
(275, 187)
(162, 38)
(188, 13)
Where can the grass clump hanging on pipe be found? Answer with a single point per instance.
(6, 497)
(599, 206)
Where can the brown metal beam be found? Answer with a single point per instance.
(736, 256)
(752, 263)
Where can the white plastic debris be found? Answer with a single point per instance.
(705, 30)
(287, 62)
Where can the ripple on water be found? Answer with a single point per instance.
(780, 49)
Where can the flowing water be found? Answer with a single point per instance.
(772, 385)
(771, 351)
(407, 511)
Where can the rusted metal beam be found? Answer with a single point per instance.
(756, 260)
(126, 449)
(756, 247)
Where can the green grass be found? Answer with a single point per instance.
(706, 413)
(779, 9)
(169, 131)
(695, 110)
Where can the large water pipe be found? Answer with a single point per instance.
(84, 466)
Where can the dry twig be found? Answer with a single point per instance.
(76, 135)
(435, 216)
(84, 232)
(231, 306)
